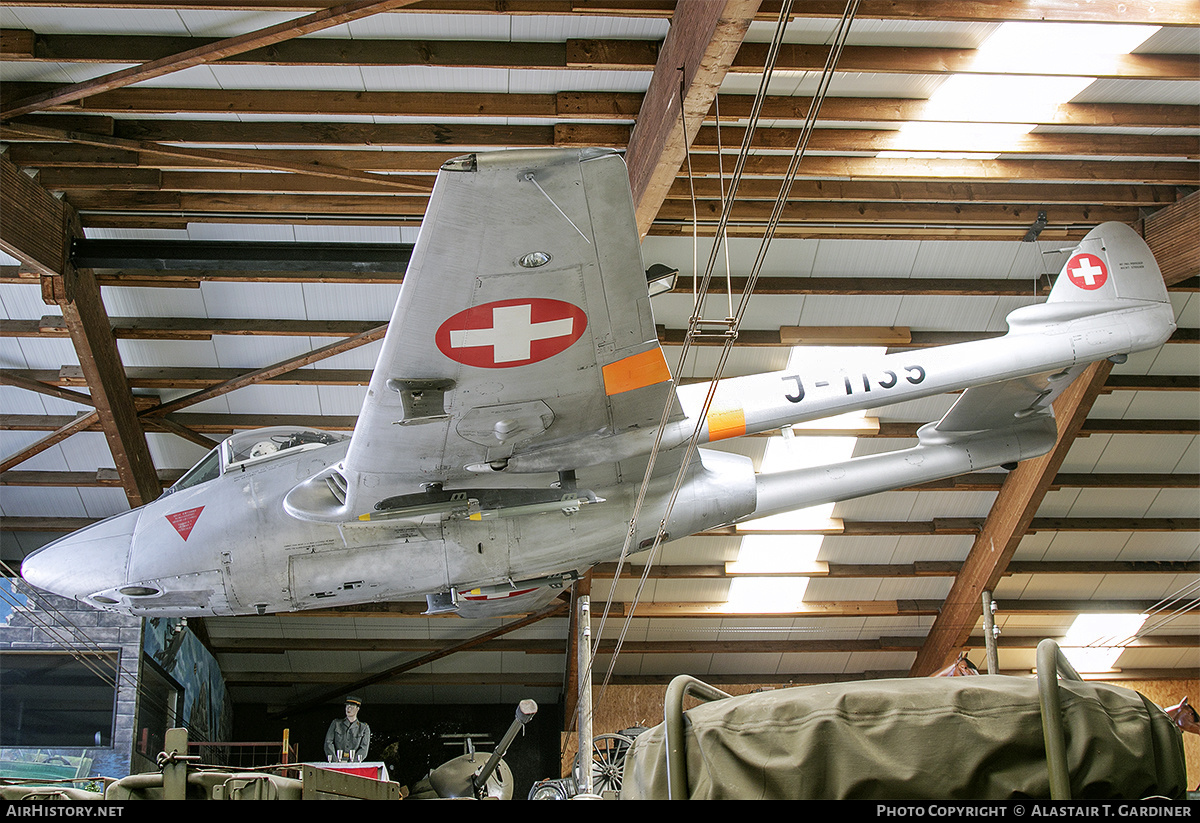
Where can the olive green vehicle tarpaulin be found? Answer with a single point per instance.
(928, 738)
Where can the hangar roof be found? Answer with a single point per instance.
(213, 121)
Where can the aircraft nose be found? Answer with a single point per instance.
(89, 560)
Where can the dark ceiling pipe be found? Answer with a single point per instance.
(170, 255)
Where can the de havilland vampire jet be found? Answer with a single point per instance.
(503, 444)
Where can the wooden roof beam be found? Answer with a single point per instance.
(1160, 12)
(607, 54)
(1173, 234)
(573, 105)
(702, 43)
(50, 150)
(843, 141)
(202, 157)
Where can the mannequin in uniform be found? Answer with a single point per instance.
(348, 737)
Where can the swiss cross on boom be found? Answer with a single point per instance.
(1087, 271)
(508, 333)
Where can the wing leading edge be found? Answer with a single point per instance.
(522, 338)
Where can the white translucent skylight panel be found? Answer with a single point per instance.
(33, 501)
(867, 32)
(434, 78)
(566, 27)
(256, 300)
(228, 23)
(1093, 643)
(327, 78)
(48, 353)
(269, 232)
(23, 301)
(99, 21)
(235, 351)
(196, 77)
(546, 81)
(151, 353)
(410, 26)
(122, 301)
(21, 72)
(993, 113)
(865, 310)
(333, 301)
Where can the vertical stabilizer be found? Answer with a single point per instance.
(1111, 263)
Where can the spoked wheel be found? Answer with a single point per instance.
(608, 761)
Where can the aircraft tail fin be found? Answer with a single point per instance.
(1111, 263)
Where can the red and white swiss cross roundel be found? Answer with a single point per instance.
(508, 333)
(1087, 271)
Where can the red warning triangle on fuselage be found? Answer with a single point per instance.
(184, 521)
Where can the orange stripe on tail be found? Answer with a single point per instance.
(635, 371)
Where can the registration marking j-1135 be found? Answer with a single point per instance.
(912, 374)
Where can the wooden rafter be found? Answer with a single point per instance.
(701, 44)
(70, 427)
(267, 372)
(576, 106)
(201, 156)
(1009, 520)
(206, 53)
(1154, 12)
(627, 55)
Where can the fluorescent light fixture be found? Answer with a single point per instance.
(1094, 641)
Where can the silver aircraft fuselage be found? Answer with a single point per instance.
(508, 440)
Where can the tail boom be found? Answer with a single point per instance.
(1081, 323)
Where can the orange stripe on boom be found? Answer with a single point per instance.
(723, 424)
(635, 371)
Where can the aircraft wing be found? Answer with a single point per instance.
(1004, 404)
(523, 328)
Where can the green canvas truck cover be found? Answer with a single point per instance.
(928, 738)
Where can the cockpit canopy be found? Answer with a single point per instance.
(253, 447)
